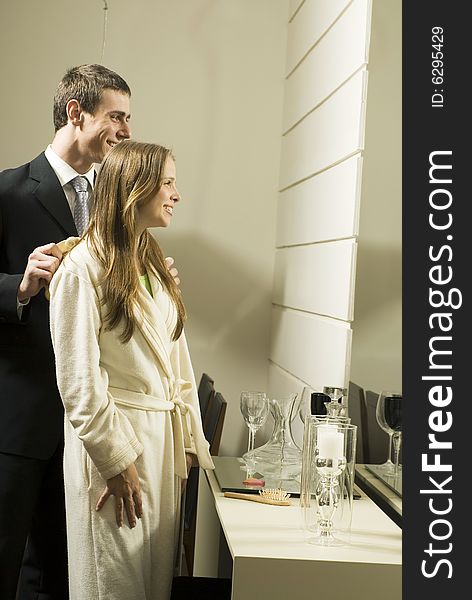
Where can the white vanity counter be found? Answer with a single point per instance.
(272, 557)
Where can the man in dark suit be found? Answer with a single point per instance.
(91, 114)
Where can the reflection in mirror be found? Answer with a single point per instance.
(377, 328)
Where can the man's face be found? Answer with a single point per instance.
(108, 126)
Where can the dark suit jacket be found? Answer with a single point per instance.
(33, 212)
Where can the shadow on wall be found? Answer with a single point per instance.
(220, 292)
(378, 279)
(376, 359)
(229, 317)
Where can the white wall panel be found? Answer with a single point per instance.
(293, 7)
(318, 278)
(282, 383)
(329, 134)
(318, 205)
(312, 348)
(311, 21)
(323, 207)
(342, 51)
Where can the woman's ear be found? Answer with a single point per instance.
(74, 112)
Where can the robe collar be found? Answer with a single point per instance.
(152, 325)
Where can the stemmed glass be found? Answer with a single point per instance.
(397, 442)
(394, 419)
(254, 408)
(389, 417)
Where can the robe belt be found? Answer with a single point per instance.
(179, 410)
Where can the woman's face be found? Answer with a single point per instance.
(157, 212)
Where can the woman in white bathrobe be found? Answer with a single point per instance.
(124, 373)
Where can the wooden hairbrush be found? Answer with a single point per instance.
(275, 496)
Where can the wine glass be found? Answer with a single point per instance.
(397, 442)
(394, 419)
(254, 408)
(389, 417)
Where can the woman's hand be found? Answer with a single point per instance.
(127, 491)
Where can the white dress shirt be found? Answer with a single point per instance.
(65, 173)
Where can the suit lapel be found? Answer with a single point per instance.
(51, 195)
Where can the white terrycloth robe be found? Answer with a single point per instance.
(125, 403)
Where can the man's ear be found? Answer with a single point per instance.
(74, 112)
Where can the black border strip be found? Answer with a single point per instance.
(437, 118)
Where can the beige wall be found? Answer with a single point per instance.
(377, 329)
(207, 79)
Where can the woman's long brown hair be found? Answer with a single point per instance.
(130, 176)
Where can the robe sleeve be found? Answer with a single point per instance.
(182, 369)
(106, 433)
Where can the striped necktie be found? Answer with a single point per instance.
(81, 207)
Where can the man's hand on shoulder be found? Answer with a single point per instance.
(43, 262)
(172, 270)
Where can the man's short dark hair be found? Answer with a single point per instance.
(85, 84)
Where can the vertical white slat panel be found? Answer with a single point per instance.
(342, 51)
(293, 7)
(323, 207)
(326, 136)
(316, 278)
(311, 21)
(282, 383)
(318, 206)
(312, 348)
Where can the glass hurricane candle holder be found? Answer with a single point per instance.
(327, 483)
(328, 494)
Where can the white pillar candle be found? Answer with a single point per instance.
(330, 442)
